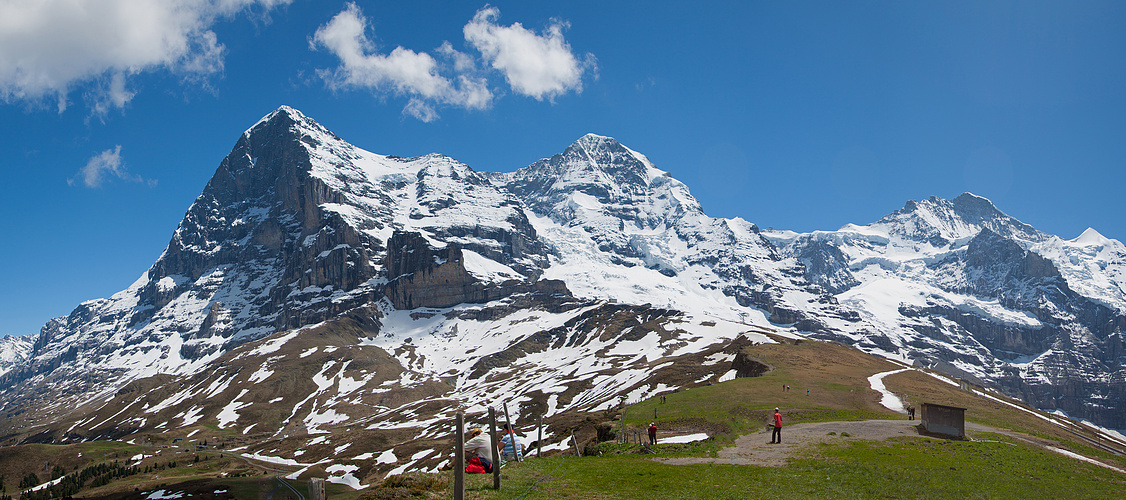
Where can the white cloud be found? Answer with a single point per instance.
(402, 72)
(534, 65)
(108, 163)
(50, 47)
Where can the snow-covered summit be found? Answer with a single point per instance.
(941, 222)
(1091, 237)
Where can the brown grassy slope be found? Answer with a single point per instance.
(834, 375)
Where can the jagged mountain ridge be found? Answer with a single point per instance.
(979, 294)
(297, 228)
(424, 256)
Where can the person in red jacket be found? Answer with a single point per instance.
(776, 436)
(652, 434)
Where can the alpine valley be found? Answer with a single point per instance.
(314, 286)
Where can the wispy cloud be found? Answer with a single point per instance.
(48, 48)
(106, 164)
(539, 66)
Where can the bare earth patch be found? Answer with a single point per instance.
(755, 449)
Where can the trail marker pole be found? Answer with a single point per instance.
(575, 442)
(539, 441)
(496, 452)
(459, 457)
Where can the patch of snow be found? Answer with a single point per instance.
(1083, 458)
(889, 400)
(689, 438)
(229, 413)
(488, 270)
(387, 457)
(261, 374)
(346, 478)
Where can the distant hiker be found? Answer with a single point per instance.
(910, 412)
(662, 399)
(776, 436)
(652, 433)
(479, 448)
(510, 445)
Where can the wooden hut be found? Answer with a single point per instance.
(945, 420)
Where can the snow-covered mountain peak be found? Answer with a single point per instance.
(597, 178)
(942, 222)
(1091, 237)
(289, 116)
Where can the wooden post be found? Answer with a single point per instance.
(316, 488)
(539, 442)
(459, 457)
(512, 433)
(624, 435)
(496, 452)
(575, 443)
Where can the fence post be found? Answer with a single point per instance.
(496, 452)
(316, 488)
(625, 437)
(459, 457)
(512, 434)
(575, 442)
(539, 442)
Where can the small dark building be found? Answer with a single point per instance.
(942, 419)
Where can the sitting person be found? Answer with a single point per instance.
(479, 447)
(509, 450)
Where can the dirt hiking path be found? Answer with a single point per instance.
(755, 449)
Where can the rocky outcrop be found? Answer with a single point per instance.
(420, 275)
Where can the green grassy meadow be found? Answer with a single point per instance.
(897, 468)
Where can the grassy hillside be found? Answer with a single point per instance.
(828, 383)
(1010, 464)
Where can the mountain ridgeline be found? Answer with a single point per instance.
(588, 275)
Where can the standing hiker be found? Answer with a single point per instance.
(776, 436)
(652, 433)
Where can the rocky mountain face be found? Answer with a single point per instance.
(314, 286)
(13, 351)
(959, 285)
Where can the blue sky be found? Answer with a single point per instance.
(792, 115)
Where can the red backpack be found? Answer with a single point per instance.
(476, 467)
